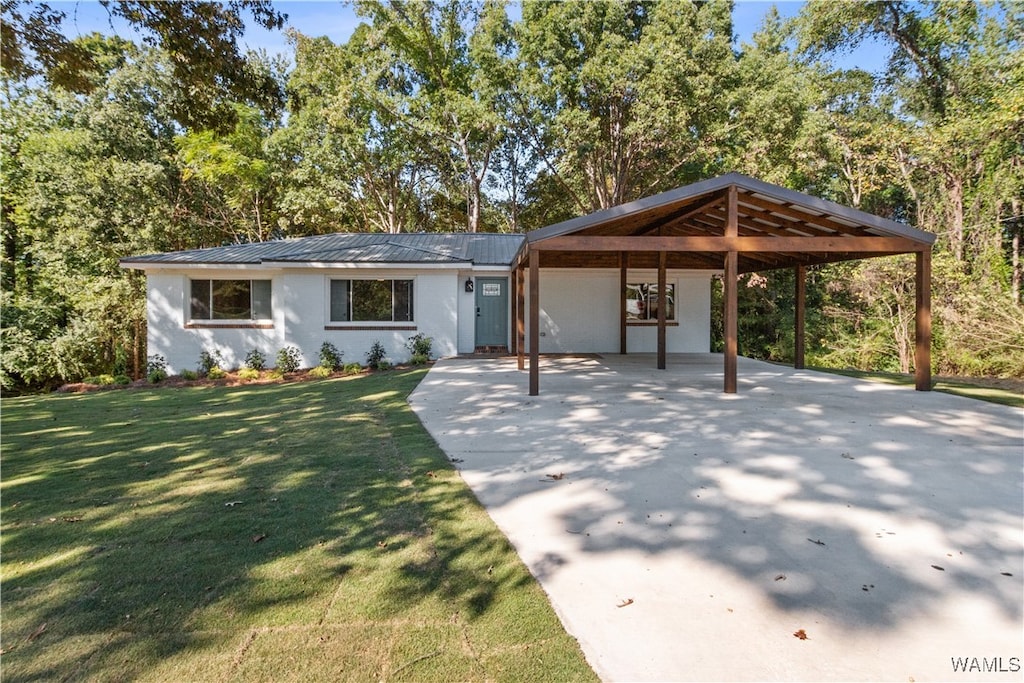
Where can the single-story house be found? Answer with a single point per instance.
(633, 278)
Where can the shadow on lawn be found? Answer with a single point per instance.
(141, 524)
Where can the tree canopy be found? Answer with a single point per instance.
(448, 115)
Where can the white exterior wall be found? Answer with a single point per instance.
(301, 312)
(579, 312)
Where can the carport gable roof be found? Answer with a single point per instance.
(454, 249)
(774, 228)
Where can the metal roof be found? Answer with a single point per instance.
(435, 248)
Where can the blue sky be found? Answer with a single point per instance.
(337, 21)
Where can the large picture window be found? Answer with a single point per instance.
(642, 301)
(230, 300)
(371, 301)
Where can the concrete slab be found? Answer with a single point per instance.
(687, 534)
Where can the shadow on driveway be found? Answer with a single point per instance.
(687, 534)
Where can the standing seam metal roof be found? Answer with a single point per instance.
(454, 248)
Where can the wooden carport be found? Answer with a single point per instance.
(734, 224)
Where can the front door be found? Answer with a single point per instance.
(491, 311)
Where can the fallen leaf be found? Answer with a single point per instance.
(1006, 573)
(557, 477)
(232, 503)
(818, 542)
(430, 474)
(941, 569)
(801, 634)
(258, 537)
(382, 544)
(456, 459)
(71, 519)
(490, 570)
(625, 603)
(35, 634)
(780, 577)
(848, 456)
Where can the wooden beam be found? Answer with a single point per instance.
(731, 280)
(679, 216)
(923, 323)
(662, 305)
(534, 322)
(623, 281)
(521, 318)
(790, 211)
(799, 313)
(737, 243)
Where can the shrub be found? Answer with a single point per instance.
(216, 373)
(122, 379)
(256, 360)
(419, 359)
(353, 369)
(330, 356)
(189, 375)
(420, 345)
(101, 380)
(375, 356)
(288, 359)
(248, 373)
(384, 365)
(320, 371)
(156, 369)
(208, 361)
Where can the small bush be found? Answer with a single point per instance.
(216, 373)
(256, 360)
(419, 359)
(248, 373)
(208, 361)
(101, 380)
(353, 369)
(189, 375)
(330, 356)
(420, 345)
(375, 356)
(156, 369)
(288, 359)
(384, 365)
(320, 372)
(122, 379)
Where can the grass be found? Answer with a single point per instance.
(977, 390)
(296, 531)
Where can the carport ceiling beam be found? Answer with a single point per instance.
(746, 243)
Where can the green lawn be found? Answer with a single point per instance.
(298, 531)
(980, 389)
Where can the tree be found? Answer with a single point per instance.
(201, 38)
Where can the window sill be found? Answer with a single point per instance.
(651, 323)
(371, 328)
(215, 325)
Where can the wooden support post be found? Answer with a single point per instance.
(521, 318)
(923, 323)
(730, 280)
(623, 281)
(534, 322)
(662, 305)
(799, 313)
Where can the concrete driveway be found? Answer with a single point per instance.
(810, 527)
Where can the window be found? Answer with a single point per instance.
(230, 300)
(642, 301)
(371, 300)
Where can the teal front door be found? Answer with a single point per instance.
(491, 311)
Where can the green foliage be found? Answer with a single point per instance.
(288, 359)
(248, 373)
(353, 369)
(320, 371)
(330, 356)
(375, 356)
(216, 373)
(156, 369)
(100, 380)
(255, 360)
(189, 375)
(419, 359)
(209, 361)
(420, 345)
